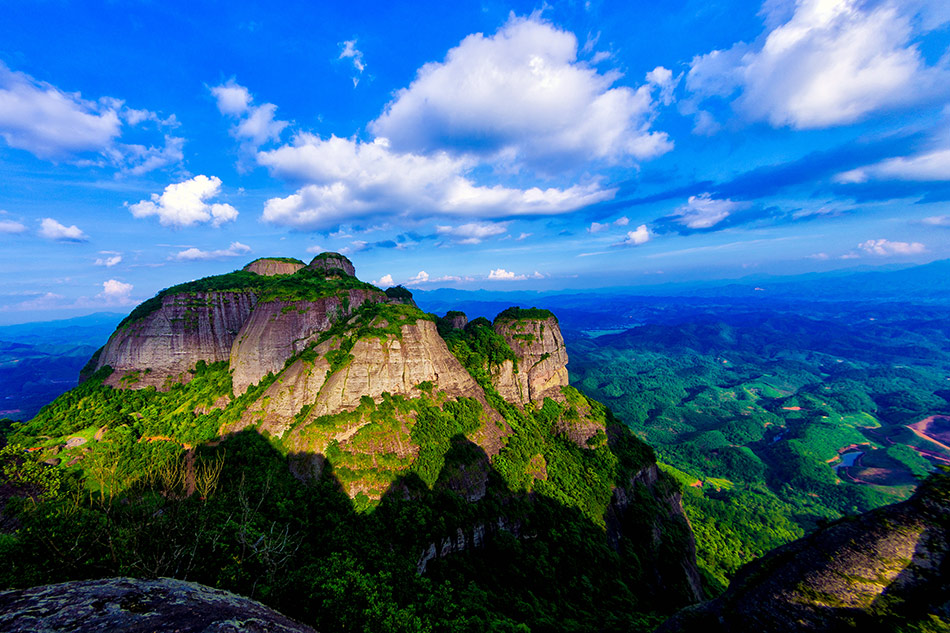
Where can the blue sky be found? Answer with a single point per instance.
(471, 145)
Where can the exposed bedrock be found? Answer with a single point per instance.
(394, 364)
(277, 330)
(332, 263)
(270, 266)
(168, 342)
(132, 605)
(542, 360)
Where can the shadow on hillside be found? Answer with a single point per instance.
(281, 529)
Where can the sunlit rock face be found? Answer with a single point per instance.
(269, 266)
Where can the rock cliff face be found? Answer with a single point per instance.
(270, 266)
(168, 342)
(331, 263)
(878, 571)
(137, 606)
(277, 330)
(542, 358)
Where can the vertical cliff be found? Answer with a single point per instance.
(278, 329)
(535, 337)
(168, 341)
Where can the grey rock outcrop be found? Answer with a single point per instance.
(168, 342)
(129, 605)
(270, 266)
(542, 360)
(277, 330)
(331, 263)
(391, 364)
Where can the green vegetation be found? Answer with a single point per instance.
(751, 417)
(515, 313)
(283, 260)
(304, 285)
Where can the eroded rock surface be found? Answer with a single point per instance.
(542, 360)
(279, 329)
(168, 342)
(868, 572)
(270, 266)
(332, 263)
(128, 605)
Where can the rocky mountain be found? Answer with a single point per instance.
(401, 411)
(882, 570)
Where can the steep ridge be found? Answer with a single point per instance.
(184, 329)
(881, 570)
(358, 387)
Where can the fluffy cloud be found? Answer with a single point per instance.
(635, 238)
(109, 259)
(195, 254)
(927, 166)
(53, 230)
(384, 281)
(886, 248)
(352, 180)
(522, 96)
(255, 125)
(421, 278)
(55, 125)
(50, 123)
(349, 51)
(185, 204)
(664, 80)
(473, 232)
(11, 226)
(703, 212)
(826, 62)
(115, 292)
(500, 274)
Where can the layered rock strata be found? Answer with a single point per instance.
(168, 342)
(542, 360)
(270, 266)
(277, 330)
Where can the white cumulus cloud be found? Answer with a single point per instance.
(186, 204)
(886, 248)
(55, 125)
(255, 125)
(384, 281)
(500, 274)
(109, 259)
(53, 230)
(827, 62)
(704, 211)
(522, 96)
(196, 254)
(350, 180)
(635, 238)
(116, 292)
(421, 278)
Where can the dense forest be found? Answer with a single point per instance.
(776, 419)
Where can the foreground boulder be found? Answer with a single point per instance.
(129, 605)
